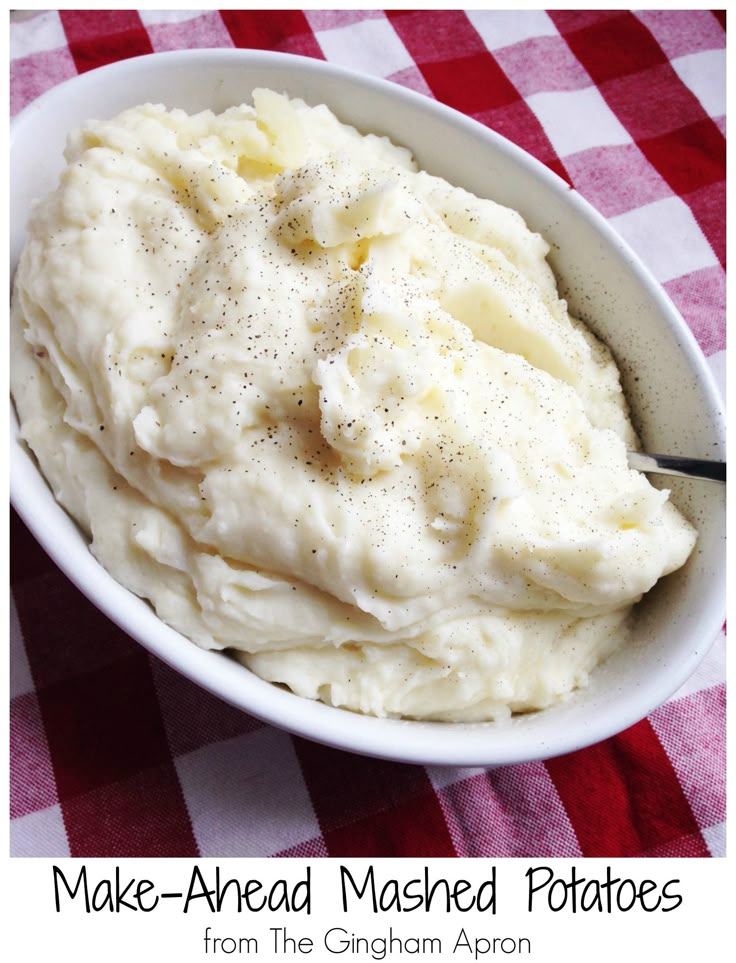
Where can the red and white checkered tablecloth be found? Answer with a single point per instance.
(114, 754)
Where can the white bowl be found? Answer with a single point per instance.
(675, 403)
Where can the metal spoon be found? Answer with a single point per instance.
(674, 465)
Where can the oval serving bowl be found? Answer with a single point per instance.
(675, 405)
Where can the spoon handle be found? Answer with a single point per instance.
(674, 465)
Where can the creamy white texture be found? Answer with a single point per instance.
(329, 411)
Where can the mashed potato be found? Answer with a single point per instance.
(329, 412)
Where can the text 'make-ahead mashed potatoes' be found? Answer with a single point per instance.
(329, 412)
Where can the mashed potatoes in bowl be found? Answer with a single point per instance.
(329, 412)
(674, 407)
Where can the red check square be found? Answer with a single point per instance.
(193, 718)
(98, 37)
(436, 36)
(623, 796)
(28, 560)
(142, 815)
(284, 30)
(612, 47)
(345, 788)
(412, 827)
(687, 847)
(689, 158)
(676, 105)
(65, 635)
(470, 84)
(568, 20)
(103, 726)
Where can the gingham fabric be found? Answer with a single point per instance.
(114, 754)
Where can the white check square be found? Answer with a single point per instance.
(443, 776)
(666, 237)
(372, 46)
(150, 17)
(39, 834)
(715, 839)
(246, 796)
(704, 73)
(575, 120)
(503, 28)
(37, 34)
(712, 670)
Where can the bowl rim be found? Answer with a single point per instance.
(381, 738)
